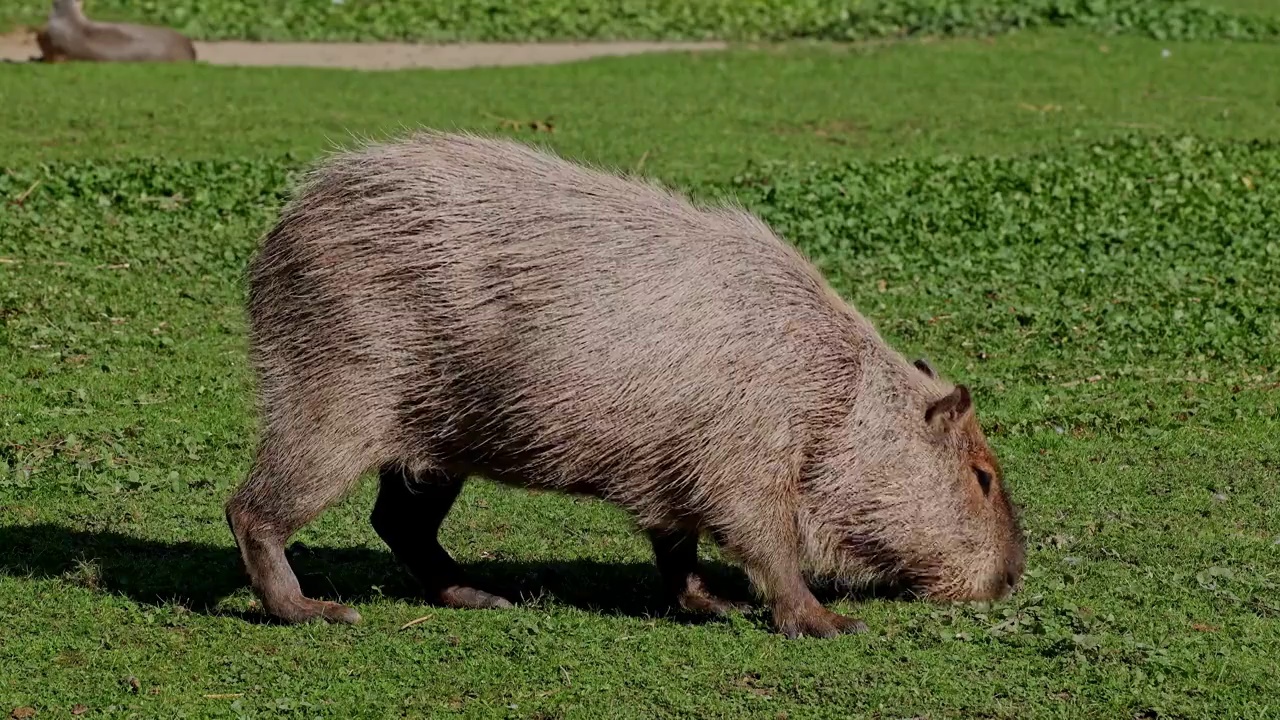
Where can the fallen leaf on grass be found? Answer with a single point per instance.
(411, 623)
(27, 193)
(79, 709)
(167, 202)
(1201, 627)
(1073, 383)
(22, 713)
(535, 125)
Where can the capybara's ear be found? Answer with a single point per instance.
(946, 410)
(924, 367)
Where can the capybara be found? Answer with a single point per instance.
(448, 306)
(72, 36)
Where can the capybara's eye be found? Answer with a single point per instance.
(984, 480)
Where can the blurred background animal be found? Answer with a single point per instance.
(70, 35)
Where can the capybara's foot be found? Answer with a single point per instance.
(462, 596)
(696, 598)
(820, 623)
(704, 602)
(305, 610)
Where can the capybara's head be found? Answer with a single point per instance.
(66, 7)
(910, 494)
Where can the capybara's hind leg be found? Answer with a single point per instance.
(407, 516)
(281, 495)
(676, 553)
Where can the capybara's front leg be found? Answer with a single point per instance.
(407, 516)
(796, 612)
(773, 564)
(48, 53)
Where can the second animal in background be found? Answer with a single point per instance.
(70, 35)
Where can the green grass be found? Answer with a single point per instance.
(1255, 7)
(846, 20)
(1106, 276)
(688, 116)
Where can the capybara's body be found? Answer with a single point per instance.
(70, 35)
(448, 306)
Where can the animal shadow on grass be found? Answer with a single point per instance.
(199, 576)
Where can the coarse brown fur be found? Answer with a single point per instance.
(70, 35)
(449, 305)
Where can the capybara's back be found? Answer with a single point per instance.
(449, 305)
(70, 35)
(475, 306)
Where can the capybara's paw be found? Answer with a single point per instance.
(701, 601)
(336, 613)
(461, 596)
(304, 610)
(818, 624)
(848, 625)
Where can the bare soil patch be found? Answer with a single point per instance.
(20, 46)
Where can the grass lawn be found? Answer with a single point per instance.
(1256, 7)
(842, 20)
(1115, 304)
(687, 116)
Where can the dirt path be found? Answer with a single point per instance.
(21, 46)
